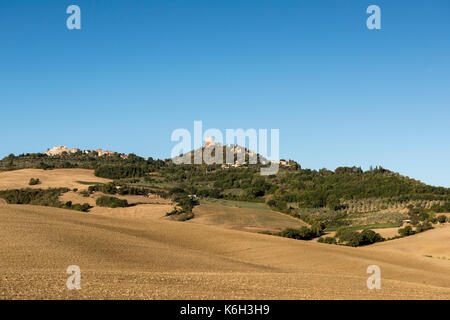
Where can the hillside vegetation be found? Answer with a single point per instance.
(345, 196)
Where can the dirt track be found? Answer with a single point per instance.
(158, 259)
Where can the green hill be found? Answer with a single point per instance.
(323, 195)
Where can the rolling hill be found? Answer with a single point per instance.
(132, 259)
(138, 252)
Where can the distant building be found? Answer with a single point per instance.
(208, 141)
(101, 153)
(406, 223)
(58, 150)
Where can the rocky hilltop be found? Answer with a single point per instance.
(242, 155)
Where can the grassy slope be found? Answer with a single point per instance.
(240, 215)
(237, 204)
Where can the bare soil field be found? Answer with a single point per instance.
(76, 197)
(429, 244)
(139, 253)
(57, 178)
(253, 220)
(139, 212)
(127, 258)
(387, 232)
(147, 209)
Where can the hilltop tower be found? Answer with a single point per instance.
(208, 141)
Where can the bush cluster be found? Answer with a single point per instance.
(423, 226)
(304, 233)
(441, 208)
(40, 197)
(185, 202)
(406, 231)
(78, 207)
(34, 182)
(354, 238)
(329, 240)
(111, 202)
(108, 188)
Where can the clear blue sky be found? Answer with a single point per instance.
(339, 93)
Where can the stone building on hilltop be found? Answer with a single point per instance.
(55, 151)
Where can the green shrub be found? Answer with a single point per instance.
(78, 207)
(370, 236)
(354, 238)
(175, 211)
(304, 233)
(441, 209)
(81, 207)
(186, 202)
(442, 219)
(111, 202)
(351, 238)
(406, 231)
(34, 182)
(85, 193)
(341, 231)
(424, 226)
(317, 229)
(47, 197)
(329, 240)
(108, 188)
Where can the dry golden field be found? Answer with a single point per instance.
(161, 259)
(147, 209)
(138, 253)
(431, 244)
(252, 220)
(58, 178)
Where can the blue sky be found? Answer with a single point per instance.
(137, 70)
